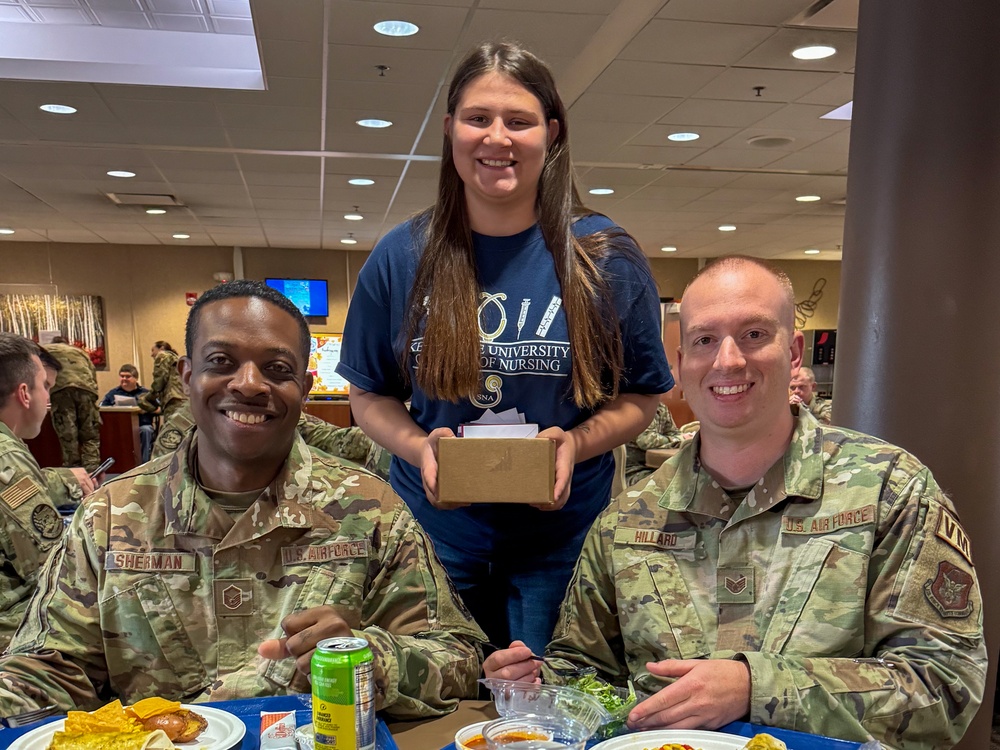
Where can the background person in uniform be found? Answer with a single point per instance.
(213, 572)
(802, 390)
(661, 433)
(776, 570)
(511, 294)
(128, 392)
(166, 392)
(75, 416)
(29, 522)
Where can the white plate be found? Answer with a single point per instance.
(223, 732)
(698, 739)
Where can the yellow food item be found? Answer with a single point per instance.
(765, 742)
(109, 718)
(153, 707)
(110, 741)
(671, 746)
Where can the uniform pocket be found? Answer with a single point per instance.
(821, 608)
(658, 617)
(152, 640)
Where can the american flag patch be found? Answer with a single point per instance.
(18, 493)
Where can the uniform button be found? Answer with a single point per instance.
(261, 576)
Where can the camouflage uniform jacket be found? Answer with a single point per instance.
(156, 590)
(661, 433)
(166, 385)
(29, 524)
(821, 408)
(843, 579)
(77, 369)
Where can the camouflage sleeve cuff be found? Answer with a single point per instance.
(386, 665)
(62, 482)
(773, 691)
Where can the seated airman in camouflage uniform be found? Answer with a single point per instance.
(76, 418)
(212, 573)
(29, 522)
(802, 390)
(775, 570)
(661, 433)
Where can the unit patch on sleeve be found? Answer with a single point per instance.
(949, 591)
(20, 492)
(46, 521)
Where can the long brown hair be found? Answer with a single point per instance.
(447, 278)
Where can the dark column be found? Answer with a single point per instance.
(918, 359)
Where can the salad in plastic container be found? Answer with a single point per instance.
(594, 703)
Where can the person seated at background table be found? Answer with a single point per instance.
(75, 416)
(166, 393)
(661, 433)
(127, 393)
(343, 442)
(775, 570)
(802, 390)
(212, 572)
(29, 522)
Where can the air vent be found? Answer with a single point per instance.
(769, 141)
(143, 199)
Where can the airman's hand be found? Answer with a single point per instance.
(303, 631)
(705, 694)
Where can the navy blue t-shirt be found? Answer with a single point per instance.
(526, 364)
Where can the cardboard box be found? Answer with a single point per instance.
(496, 470)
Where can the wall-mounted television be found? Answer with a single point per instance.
(309, 295)
(324, 355)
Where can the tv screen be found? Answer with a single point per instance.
(324, 354)
(309, 295)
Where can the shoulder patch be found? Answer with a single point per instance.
(20, 492)
(171, 438)
(46, 521)
(950, 531)
(949, 591)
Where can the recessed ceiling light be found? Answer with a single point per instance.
(814, 52)
(354, 215)
(374, 123)
(669, 249)
(811, 251)
(120, 173)
(156, 211)
(683, 137)
(727, 228)
(807, 198)
(769, 141)
(396, 28)
(58, 109)
(361, 181)
(601, 191)
(180, 236)
(6, 231)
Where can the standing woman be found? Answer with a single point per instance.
(507, 293)
(166, 391)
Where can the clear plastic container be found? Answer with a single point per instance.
(536, 733)
(513, 699)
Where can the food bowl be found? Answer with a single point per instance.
(536, 733)
(471, 737)
(513, 699)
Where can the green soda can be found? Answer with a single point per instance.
(343, 694)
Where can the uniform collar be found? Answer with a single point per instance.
(287, 502)
(6, 431)
(797, 474)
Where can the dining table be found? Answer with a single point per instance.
(656, 456)
(435, 733)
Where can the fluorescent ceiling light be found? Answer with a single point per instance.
(811, 251)
(396, 28)
(842, 112)
(156, 211)
(727, 228)
(669, 249)
(683, 137)
(58, 109)
(6, 231)
(120, 173)
(601, 191)
(361, 181)
(147, 57)
(348, 240)
(374, 123)
(180, 236)
(353, 217)
(814, 52)
(807, 198)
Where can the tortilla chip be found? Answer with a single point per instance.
(109, 718)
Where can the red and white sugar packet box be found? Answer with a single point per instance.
(277, 730)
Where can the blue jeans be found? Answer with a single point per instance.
(146, 435)
(511, 594)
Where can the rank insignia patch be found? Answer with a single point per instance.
(736, 585)
(949, 591)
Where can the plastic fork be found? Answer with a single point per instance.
(571, 672)
(29, 717)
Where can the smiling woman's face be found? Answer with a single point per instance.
(499, 138)
(247, 381)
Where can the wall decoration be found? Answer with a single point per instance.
(807, 307)
(79, 318)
